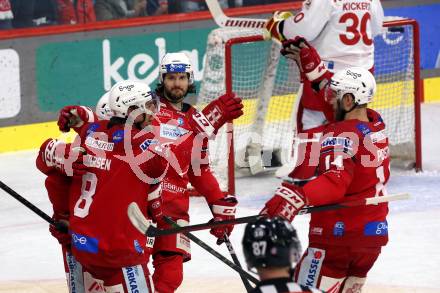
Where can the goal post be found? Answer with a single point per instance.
(241, 61)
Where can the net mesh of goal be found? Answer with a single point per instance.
(268, 85)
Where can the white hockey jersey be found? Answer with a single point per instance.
(342, 31)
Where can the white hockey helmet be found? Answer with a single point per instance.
(356, 81)
(176, 62)
(127, 93)
(102, 107)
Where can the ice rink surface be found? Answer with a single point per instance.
(30, 259)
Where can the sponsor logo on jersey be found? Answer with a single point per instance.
(332, 141)
(118, 136)
(92, 128)
(72, 264)
(338, 229)
(165, 113)
(167, 186)
(363, 128)
(97, 162)
(99, 144)
(316, 231)
(85, 243)
(146, 144)
(171, 131)
(378, 136)
(314, 264)
(180, 121)
(383, 154)
(138, 247)
(135, 279)
(376, 229)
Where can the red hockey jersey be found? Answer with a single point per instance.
(354, 163)
(102, 234)
(189, 162)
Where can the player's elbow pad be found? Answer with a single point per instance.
(327, 188)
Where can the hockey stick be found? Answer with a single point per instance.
(243, 274)
(234, 257)
(225, 21)
(60, 226)
(141, 223)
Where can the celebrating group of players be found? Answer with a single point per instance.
(145, 146)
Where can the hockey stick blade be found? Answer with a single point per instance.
(224, 21)
(139, 221)
(305, 210)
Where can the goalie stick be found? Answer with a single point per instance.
(60, 226)
(225, 21)
(235, 267)
(142, 224)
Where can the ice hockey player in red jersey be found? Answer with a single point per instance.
(342, 32)
(51, 161)
(354, 163)
(188, 130)
(118, 155)
(272, 247)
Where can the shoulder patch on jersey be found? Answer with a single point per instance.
(363, 128)
(171, 131)
(144, 146)
(333, 142)
(378, 136)
(118, 136)
(92, 128)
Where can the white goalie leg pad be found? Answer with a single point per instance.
(353, 285)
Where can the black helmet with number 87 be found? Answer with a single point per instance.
(270, 242)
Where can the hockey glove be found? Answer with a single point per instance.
(286, 202)
(62, 237)
(57, 155)
(74, 116)
(306, 57)
(217, 113)
(274, 25)
(223, 209)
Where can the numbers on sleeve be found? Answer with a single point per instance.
(380, 187)
(338, 162)
(88, 188)
(355, 30)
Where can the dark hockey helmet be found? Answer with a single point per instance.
(270, 242)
